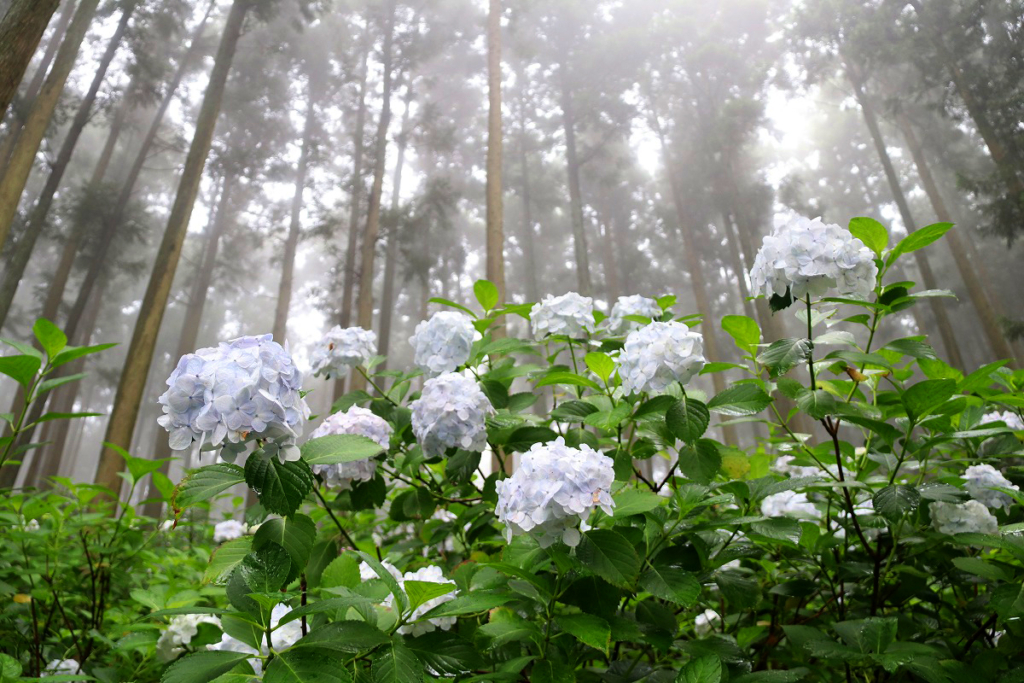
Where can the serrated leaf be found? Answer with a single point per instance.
(919, 239)
(569, 378)
(700, 462)
(471, 603)
(267, 569)
(343, 637)
(445, 652)
(295, 534)
(395, 663)
(632, 501)
(448, 302)
(924, 397)
(872, 233)
(22, 369)
(421, 592)
(338, 448)
(486, 294)
(588, 629)
(671, 583)
(600, 364)
(784, 354)
(50, 337)
(610, 556)
(201, 667)
(893, 502)
(281, 486)
(706, 669)
(225, 558)
(205, 483)
(75, 352)
(743, 330)
(688, 419)
(817, 403)
(306, 665)
(740, 400)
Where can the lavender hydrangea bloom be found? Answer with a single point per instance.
(631, 305)
(979, 482)
(228, 530)
(341, 349)
(443, 343)
(180, 632)
(809, 257)
(451, 412)
(963, 518)
(658, 355)
(788, 504)
(242, 389)
(569, 314)
(555, 488)
(361, 422)
(1011, 420)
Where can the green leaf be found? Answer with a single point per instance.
(569, 378)
(706, 669)
(701, 462)
(51, 384)
(384, 575)
(590, 630)
(688, 419)
(671, 583)
(911, 346)
(601, 364)
(395, 663)
(817, 403)
(22, 369)
(872, 233)
(573, 411)
(200, 667)
(610, 556)
(338, 448)
(306, 665)
(924, 397)
(893, 502)
(919, 239)
(447, 302)
(344, 637)
(420, 592)
(295, 534)
(779, 528)
(784, 354)
(137, 467)
(524, 437)
(75, 352)
(471, 603)
(10, 668)
(205, 483)
(740, 400)
(979, 567)
(267, 569)
(445, 652)
(632, 501)
(486, 293)
(743, 330)
(228, 556)
(50, 337)
(281, 487)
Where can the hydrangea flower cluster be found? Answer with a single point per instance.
(63, 667)
(788, 504)
(431, 574)
(282, 638)
(361, 422)
(451, 412)
(554, 488)
(809, 257)
(1010, 419)
(243, 389)
(659, 354)
(979, 482)
(341, 349)
(631, 305)
(229, 530)
(180, 632)
(569, 314)
(963, 518)
(705, 622)
(443, 343)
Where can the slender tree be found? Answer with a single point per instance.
(495, 215)
(572, 169)
(21, 29)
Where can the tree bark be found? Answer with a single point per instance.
(140, 352)
(572, 168)
(24, 154)
(739, 267)
(611, 268)
(495, 215)
(21, 30)
(24, 247)
(526, 230)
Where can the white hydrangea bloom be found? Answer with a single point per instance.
(366, 572)
(569, 314)
(659, 354)
(451, 412)
(809, 257)
(788, 504)
(961, 518)
(554, 488)
(63, 667)
(782, 466)
(1010, 419)
(167, 525)
(631, 305)
(341, 349)
(243, 389)
(443, 343)
(431, 574)
(180, 632)
(979, 482)
(705, 622)
(228, 530)
(282, 638)
(361, 422)
(32, 525)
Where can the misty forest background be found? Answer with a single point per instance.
(648, 145)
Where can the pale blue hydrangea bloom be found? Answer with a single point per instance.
(451, 412)
(443, 343)
(631, 305)
(1011, 420)
(979, 482)
(810, 257)
(430, 574)
(963, 518)
(244, 389)
(229, 530)
(361, 422)
(341, 349)
(789, 504)
(658, 355)
(179, 634)
(63, 667)
(554, 489)
(569, 314)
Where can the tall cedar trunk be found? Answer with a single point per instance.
(151, 313)
(387, 302)
(949, 342)
(975, 287)
(291, 244)
(188, 342)
(23, 248)
(526, 231)
(368, 247)
(495, 228)
(17, 171)
(21, 29)
(611, 268)
(113, 224)
(739, 268)
(572, 167)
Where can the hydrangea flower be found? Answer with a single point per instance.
(443, 343)
(809, 257)
(243, 389)
(451, 412)
(282, 638)
(962, 518)
(631, 305)
(979, 482)
(1010, 419)
(361, 422)
(229, 530)
(341, 349)
(431, 574)
(555, 488)
(659, 354)
(569, 314)
(705, 622)
(180, 632)
(788, 504)
(366, 572)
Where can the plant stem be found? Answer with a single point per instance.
(337, 523)
(810, 343)
(375, 386)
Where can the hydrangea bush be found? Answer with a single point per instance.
(563, 508)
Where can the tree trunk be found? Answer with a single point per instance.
(140, 352)
(24, 247)
(949, 342)
(17, 172)
(21, 29)
(526, 231)
(572, 167)
(495, 216)
(611, 268)
(739, 267)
